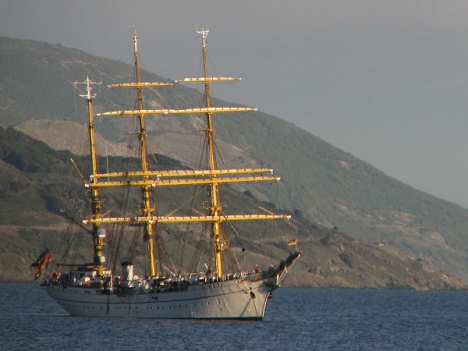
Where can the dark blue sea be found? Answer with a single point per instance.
(296, 319)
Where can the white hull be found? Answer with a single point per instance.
(240, 298)
(234, 299)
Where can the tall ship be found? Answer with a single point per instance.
(212, 285)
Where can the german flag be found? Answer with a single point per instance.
(292, 242)
(42, 262)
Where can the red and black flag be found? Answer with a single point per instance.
(42, 262)
(292, 242)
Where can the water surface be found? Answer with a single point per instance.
(296, 319)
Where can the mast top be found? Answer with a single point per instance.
(89, 88)
(204, 34)
(135, 39)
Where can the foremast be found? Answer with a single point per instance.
(220, 243)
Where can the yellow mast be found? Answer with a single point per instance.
(146, 206)
(96, 202)
(220, 244)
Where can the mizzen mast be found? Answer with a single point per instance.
(96, 201)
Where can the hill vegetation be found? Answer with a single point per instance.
(36, 186)
(327, 186)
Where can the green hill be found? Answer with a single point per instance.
(329, 187)
(36, 185)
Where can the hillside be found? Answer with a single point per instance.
(330, 187)
(36, 186)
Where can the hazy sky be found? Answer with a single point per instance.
(386, 81)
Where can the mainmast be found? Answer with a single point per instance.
(96, 202)
(147, 209)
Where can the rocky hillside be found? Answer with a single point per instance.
(36, 185)
(330, 187)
